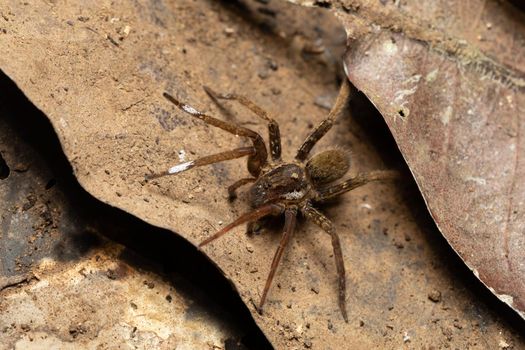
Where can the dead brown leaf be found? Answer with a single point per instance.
(449, 79)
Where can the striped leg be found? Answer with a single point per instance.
(360, 180)
(256, 161)
(289, 226)
(323, 222)
(215, 158)
(270, 209)
(233, 187)
(273, 127)
(326, 124)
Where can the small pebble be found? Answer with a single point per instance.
(435, 296)
(229, 31)
(406, 337)
(263, 74)
(399, 245)
(503, 344)
(126, 30)
(272, 65)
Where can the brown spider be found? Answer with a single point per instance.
(284, 187)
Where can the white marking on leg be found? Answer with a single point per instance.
(189, 109)
(180, 167)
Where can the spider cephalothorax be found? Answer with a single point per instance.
(281, 187)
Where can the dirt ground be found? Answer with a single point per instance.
(98, 73)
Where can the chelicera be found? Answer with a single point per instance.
(284, 187)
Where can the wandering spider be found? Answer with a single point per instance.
(284, 187)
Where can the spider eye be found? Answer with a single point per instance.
(328, 166)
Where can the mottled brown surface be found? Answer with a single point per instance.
(98, 72)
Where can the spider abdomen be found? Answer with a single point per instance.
(287, 182)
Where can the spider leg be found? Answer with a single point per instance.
(326, 124)
(323, 222)
(257, 160)
(273, 127)
(357, 181)
(270, 209)
(215, 158)
(289, 226)
(233, 187)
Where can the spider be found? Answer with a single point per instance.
(281, 187)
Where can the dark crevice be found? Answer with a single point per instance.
(519, 4)
(323, 3)
(4, 168)
(51, 183)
